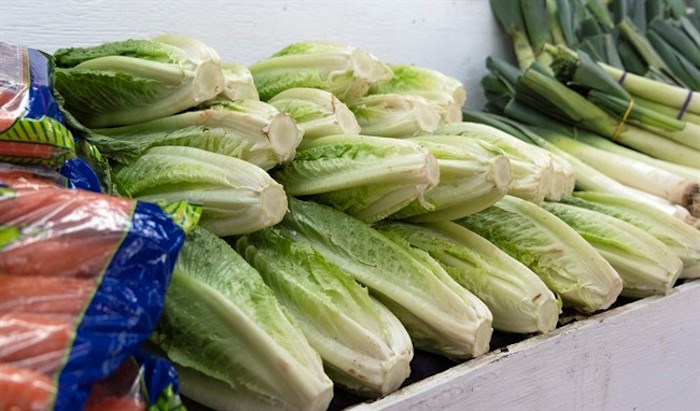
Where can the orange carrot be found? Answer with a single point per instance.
(30, 206)
(41, 295)
(73, 255)
(22, 178)
(28, 150)
(9, 96)
(37, 197)
(24, 390)
(54, 205)
(35, 341)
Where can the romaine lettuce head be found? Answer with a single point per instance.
(562, 178)
(237, 197)
(569, 266)
(647, 266)
(247, 129)
(238, 348)
(132, 81)
(439, 314)
(445, 93)
(318, 112)
(519, 300)
(343, 70)
(532, 166)
(367, 177)
(395, 115)
(473, 176)
(682, 238)
(363, 345)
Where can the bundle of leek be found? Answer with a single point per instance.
(587, 177)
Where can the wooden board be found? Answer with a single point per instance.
(642, 356)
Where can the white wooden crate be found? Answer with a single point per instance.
(641, 356)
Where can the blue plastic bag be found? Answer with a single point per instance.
(83, 278)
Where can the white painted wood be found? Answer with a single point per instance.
(451, 36)
(641, 356)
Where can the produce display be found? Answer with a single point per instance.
(259, 237)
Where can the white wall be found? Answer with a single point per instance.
(452, 36)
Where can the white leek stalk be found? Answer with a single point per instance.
(604, 144)
(656, 91)
(590, 179)
(633, 173)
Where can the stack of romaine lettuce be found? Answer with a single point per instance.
(176, 123)
(428, 233)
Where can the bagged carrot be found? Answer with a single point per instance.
(83, 278)
(142, 382)
(31, 125)
(44, 295)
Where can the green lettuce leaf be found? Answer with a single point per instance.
(237, 346)
(343, 70)
(647, 266)
(569, 266)
(439, 314)
(682, 238)
(364, 347)
(132, 81)
(247, 129)
(395, 115)
(445, 93)
(318, 112)
(236, 197)
(519, 300)
(473, 176)
(367, 177)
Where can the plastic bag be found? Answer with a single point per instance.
(143, 382)
(79, 174)
(31, 125)
(83, 278)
